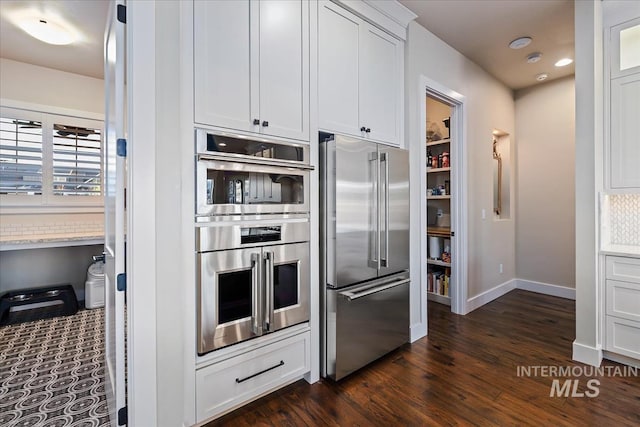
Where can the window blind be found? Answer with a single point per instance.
(76, 161)
(20, 156)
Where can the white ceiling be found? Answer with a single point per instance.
(88, 17)
(480, 29)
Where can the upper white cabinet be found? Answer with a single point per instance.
(360, 77)
(251, 64)
(625, 132)
(624, 106)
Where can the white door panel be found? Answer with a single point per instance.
(338, 50)
(222, 64)
(379, 84)
(284, 68)
(625, 128)
(114, 172)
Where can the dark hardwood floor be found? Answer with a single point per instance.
(463, 373)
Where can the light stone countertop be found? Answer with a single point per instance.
(621, 250)
(12, 243)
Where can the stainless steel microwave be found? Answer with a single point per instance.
(236, 174)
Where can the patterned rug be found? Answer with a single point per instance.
(52, 372)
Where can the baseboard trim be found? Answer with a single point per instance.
(417, 331)
(489, 295)
(618, 358)
(546, 288)
(587, 354)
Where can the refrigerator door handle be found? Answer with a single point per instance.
(268, 282)
(256, 294)
(354, 295)
(384, 258)
(375, 258)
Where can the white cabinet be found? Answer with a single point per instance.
(622, 301)
(227, 384)
(360, 77)
(625, 131)
(381, 84)
(338, 52)
(251, 66)
(622, 50)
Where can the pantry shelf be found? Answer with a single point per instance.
(438, 262)
(439, 231)
(439, 142)
(442, 299)
(436, 170)
(448, 196)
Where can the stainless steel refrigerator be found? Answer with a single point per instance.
(364, 251)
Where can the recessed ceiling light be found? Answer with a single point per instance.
(563, 62)
(541, 77)
(520, 42)
(46, 30)
(534, 57)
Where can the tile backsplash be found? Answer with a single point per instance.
(624, 219)
(21, 227)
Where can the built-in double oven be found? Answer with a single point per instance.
(252, 237)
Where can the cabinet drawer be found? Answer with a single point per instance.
(623, 337)
(623, 269)
(232, 382)
(623, 299)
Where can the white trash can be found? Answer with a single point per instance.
(94, 286)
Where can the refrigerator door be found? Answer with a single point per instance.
(352, 211)
(394, 210)
(365, 322)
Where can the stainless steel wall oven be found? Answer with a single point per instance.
(252, 237)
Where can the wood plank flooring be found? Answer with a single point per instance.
(463, 373)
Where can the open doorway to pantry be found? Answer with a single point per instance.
(444, 199)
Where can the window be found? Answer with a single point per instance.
(76, 161)
(49, 160)
(20, 156)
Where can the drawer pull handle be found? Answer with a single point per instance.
(238, 380)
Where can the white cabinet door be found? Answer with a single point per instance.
(284, 68)
(222, 66)
(360, 77)
(380, 85)
(338, 62)
(625, 131)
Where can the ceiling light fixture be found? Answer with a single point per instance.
(542, 77)
(534, 57)
(520, 42)
(46, 30)
(563, 62)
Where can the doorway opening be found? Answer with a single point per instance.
(443, 190)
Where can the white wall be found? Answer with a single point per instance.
(545, 194)
(45, 86)
(489, 105)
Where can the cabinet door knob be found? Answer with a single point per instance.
(256, 121)
(265, 123)
(362, 129)
(367, 130)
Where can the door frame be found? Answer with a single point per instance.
(459, 200)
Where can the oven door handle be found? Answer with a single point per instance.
(268, 279)
(256, 293)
